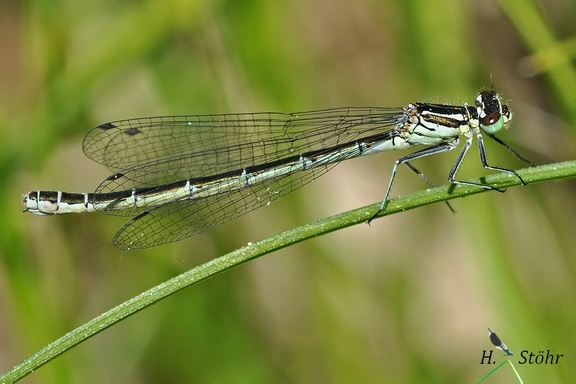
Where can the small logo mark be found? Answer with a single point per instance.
(498, 343)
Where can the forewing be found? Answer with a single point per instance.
(171, 148)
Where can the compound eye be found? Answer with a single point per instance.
(491, 119)
(492, 123)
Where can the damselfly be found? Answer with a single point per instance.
(495, 340)
(177, 176)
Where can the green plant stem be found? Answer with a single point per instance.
(271, 244)
(500, 366)
(492, 371)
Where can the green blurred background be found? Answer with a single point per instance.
(407, 299)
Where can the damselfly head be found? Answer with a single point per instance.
(492, 114)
